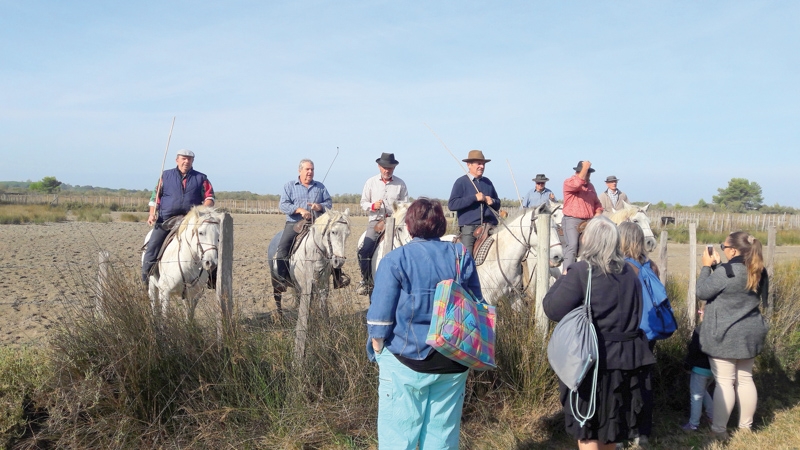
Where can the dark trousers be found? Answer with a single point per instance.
(366, 251)
(468, 237)
(153, 246)
(284, 246)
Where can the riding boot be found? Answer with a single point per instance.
(340, 279)
(282, 279)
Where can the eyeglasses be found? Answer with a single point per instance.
(723, 246)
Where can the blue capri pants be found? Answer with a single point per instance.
(418, 408)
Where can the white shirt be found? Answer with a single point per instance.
(390, 192)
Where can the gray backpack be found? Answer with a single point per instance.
(573, 352)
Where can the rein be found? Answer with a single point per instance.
(195, 257)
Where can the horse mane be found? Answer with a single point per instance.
(195, 214)
(624, 214)
(399, 214)
(330, 216)
(519, 214)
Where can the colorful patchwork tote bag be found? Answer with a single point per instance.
(462, 327)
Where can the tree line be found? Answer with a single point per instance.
(740, 195)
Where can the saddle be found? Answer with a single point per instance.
(301, 227)
(483, 242)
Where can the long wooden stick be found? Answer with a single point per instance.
(329, 167)
(515, 182)
(164, 161)
(454, 157)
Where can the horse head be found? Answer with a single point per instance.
(401, 235)
(637, 215)
(333, 229)
(201, 229)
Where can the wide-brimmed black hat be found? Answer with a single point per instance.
(540, 178)
(611, 179)
(579, 167)
(387, 160)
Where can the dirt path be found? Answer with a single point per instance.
(44, 266)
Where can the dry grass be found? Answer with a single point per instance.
(124, 380)
(20, 214)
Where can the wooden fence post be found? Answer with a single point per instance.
(102, 283)
(388, 239)
(542, 270)
(771, 243)
(662, 257)
(691, 298)
(225, 275)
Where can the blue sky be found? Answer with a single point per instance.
(674, 98)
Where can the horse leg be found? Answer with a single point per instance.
(278, 299)
(153, 293)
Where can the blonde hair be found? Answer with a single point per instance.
(751, 251)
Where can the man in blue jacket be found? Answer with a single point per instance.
(473, 198)
(177, 191)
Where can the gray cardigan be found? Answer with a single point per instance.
(733, 327)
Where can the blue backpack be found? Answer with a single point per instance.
(658, 320)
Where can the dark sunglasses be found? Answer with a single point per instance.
(723, 246)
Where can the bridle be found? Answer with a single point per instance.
(197, 254)
(327, 251)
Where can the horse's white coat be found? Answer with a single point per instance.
(501, 271)
(401, 235)
(187, 260)
(320, 251)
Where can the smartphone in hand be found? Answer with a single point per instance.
(710, 250)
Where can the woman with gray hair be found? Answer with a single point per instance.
(624, 357)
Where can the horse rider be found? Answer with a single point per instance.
(474, 199)
(177, 191)
(580, 204)
(612, 198)
(379, 194)
(540, 194)
(301, 199)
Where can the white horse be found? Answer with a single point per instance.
(637, 215)
(319, 252)
(515, 240)
(401, 235)
(628, 213)
(187, 261)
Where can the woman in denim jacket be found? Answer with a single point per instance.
(421, 391)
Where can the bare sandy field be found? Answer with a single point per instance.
(42, 267)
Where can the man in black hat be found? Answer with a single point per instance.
(177, 191)
(380, 193)
(612, 199)
(538, 195)
(472, 197)
(580, 204)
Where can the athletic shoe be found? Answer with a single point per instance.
(689, 427)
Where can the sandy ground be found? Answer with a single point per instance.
(43, 266)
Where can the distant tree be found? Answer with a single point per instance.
(702, 204)
(660, 205)
(740, 195)
(48, 185)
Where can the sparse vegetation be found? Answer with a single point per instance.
(128, 217)
(121, 380)
(20, 214)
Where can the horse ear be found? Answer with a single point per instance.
(346, 211)
(644, 208)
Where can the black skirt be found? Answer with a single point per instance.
(620, 402)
